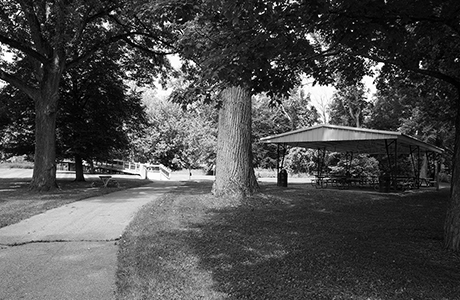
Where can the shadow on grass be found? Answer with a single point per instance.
(329, 244)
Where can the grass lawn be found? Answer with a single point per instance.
(294, 243)
(18, 203)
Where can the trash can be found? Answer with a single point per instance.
(384, 183)
(282, 178)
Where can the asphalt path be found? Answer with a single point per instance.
(70, 252)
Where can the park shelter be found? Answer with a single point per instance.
(345, 139)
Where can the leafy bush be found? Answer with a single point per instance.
(265, 173)
(17, 165)
(300, 160)
(444, 177)
(362, 165)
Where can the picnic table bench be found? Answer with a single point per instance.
(343, 182)
(106, 179)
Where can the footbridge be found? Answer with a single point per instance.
(150, 171)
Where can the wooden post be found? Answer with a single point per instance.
(436, 171)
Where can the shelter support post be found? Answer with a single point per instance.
(392, 165)
(281, 173)
(415, 165)
(437, 167)
(282, 152)
(434, 161)
(320, 181)
(277, 158)
(321, 158)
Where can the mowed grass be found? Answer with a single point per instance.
(17, 202)
(289, 243)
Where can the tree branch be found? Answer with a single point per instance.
(153, 36)
(145, 49)
(25, 49)
(18, 83)
(113, 39)
(35, 29)
(432, 73)
(97, 15)
(60, 27)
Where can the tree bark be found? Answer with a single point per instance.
(234, 171)
(79, 174)
(44, 174)
(452, 224)
(46, 100)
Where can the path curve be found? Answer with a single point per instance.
(70, 252)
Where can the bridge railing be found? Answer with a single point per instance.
(134, 167)
(159, 168)
(165, 171)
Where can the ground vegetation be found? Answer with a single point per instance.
(299, 243)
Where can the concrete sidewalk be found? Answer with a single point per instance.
(70, 252)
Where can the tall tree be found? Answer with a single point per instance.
(97, 112)
(177, 137)
(95, 115)
(416, 105)
(57, 35)
(241, 48)
(272, 117)
(420, 36)
(349, 105)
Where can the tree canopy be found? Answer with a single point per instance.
(274, 117)
(349, 104)
(55, 36)
(176, 137)
(418, 35)
(95, 115)
(261, 45)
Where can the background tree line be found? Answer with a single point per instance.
(146, 127)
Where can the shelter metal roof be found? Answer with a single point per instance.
(351, 139)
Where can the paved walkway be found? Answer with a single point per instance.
(70, 252)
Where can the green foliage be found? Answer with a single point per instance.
(362, 165)
(53, 37)
(178, 138)
(262, 46)
(96, 116)
(17, 133)
(408, 37)
(270, 118)
(416, 35)
(16, 165)
(300, 160)
(415, 105)
(349, 106)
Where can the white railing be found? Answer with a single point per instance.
(158, 169)
(147, 170)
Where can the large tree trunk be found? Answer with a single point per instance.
(234, 171)
(44, 174)
(452, 225)
(79, 174)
